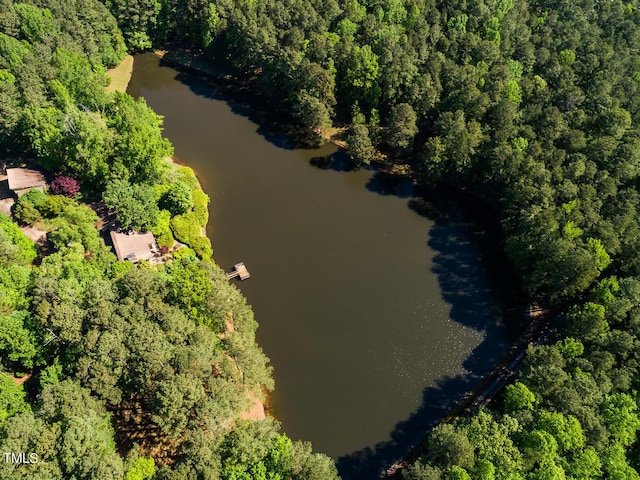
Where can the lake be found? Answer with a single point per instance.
(378, 308)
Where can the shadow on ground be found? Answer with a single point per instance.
(465, 243)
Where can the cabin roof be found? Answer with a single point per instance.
(133, 246)
(24, 178)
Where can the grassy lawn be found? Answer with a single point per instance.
(120, 75)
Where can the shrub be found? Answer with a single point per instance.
(25, 213)
(186, 229)
(22, 251)
(34, 196)
(54, 205)
(66, 186)
(178, 198)
(202, 246)
(162, 230)
(187, 175)
(25, 210)
(183, 252)
(201, 206)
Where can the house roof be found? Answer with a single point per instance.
(23, 178)
(133, 246)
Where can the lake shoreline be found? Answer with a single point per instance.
(240, 90)
(120, 76)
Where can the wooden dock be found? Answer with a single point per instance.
(239, 270)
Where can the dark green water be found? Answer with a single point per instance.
(375, 317)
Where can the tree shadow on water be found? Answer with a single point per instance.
(479, 298)
(437, 401)
(387, 184)
(338, 162)
(275, 123)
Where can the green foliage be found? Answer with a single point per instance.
(402, 127)
(512, 91)
(25, 210)
(619, 414)
(312, 112)
(15, 247)
(36, 24)
(361, 77)
(15, 281)
(12, 399)
(567, 57)
(254, 451)
(135, 205)
(420, 471)
(162, 230)
(570, 348)
(178, 198)
(497, 97)
(190, 289)
(186, 229)
(52, 375)
(359, 146)
(12, 51)
(18, 345)
(142, 469)
(139, 149)
(450, 447)
(200, 206)
(566, 430)
(602, 258)
(518, 397)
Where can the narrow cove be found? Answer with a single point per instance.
(376, 318)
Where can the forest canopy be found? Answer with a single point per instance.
(110, 370)
(532, 105)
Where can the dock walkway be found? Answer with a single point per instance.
(239, 270)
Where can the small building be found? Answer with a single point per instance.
(134, 246)
(21, 180)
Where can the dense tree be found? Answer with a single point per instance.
(178, 199)
(359, 146)
(402, 126)
(135, 205)
(533, 106)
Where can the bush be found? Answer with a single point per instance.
(162, 230)
(202, 246)
(25, 213)
(54, 205)
(183, 252)
(201, 206)
(187, 175)
(34, 196)
(66, 186)
(15, 247)
(25, 210)
(186, 229)
(178, 198)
